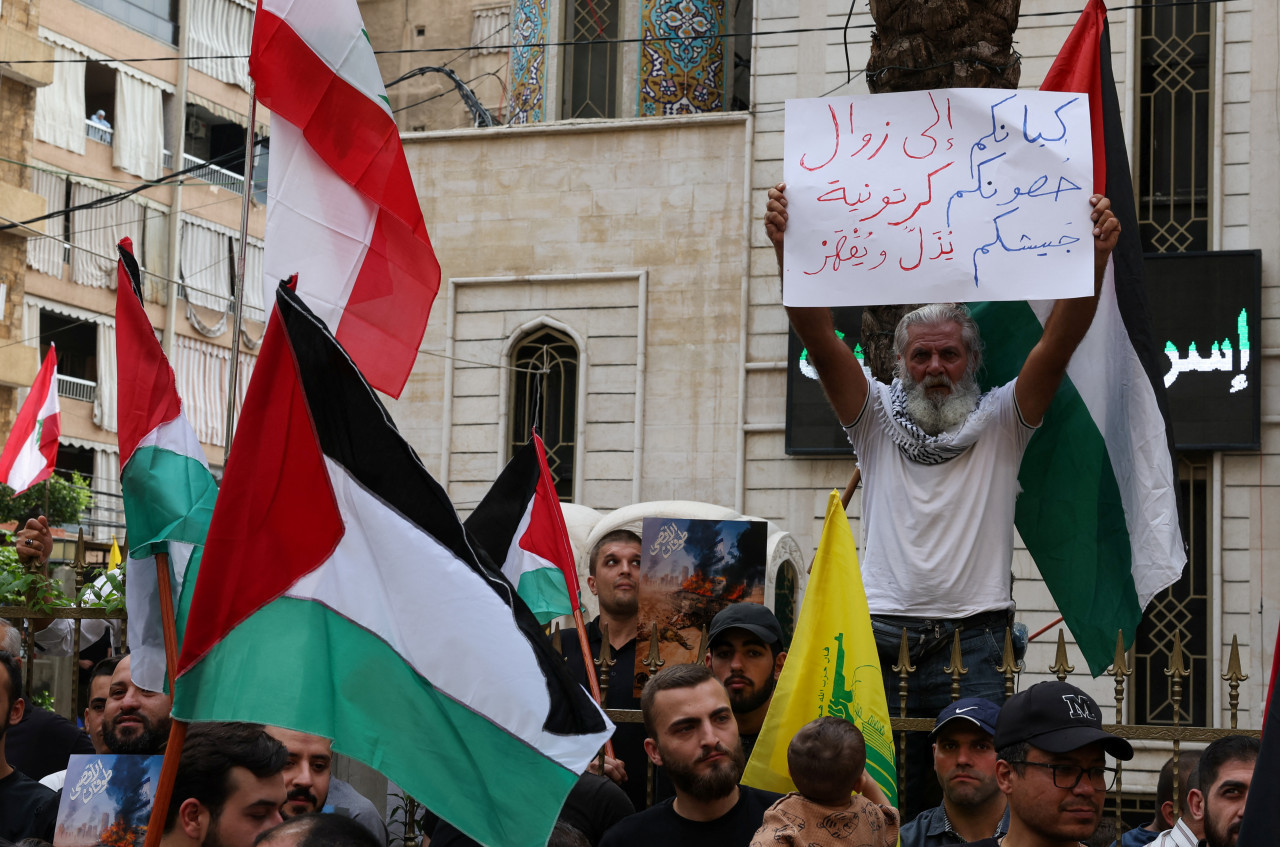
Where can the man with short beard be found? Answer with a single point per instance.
(229, 786)
(27, 808)
(134, 720)
(692, 733)
(614, 578)
(939, 466)
(964, 760)
(311, 787)
(1225, 774)
(746, 652)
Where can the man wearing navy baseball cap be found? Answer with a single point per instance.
(1052, 765)
(964, 760)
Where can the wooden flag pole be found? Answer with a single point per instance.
(592, 679)
(177, 729)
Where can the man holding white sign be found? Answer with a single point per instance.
(940, 469)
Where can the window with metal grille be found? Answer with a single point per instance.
(591, 61)
(1174, 131)
(545, 395)
(1182, 608)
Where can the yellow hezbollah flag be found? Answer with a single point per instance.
(832, 667)
(114, 558)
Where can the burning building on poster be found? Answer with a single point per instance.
(106, 800)
(690, 570)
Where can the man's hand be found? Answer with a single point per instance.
(613, 768)
(34, 541)
(1106, 234)
(775, 219)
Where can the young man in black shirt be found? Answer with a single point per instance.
(692, 733)
(27, 808)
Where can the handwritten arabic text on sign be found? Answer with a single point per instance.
(927, 196)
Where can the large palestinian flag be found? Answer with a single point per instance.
(340, 597)
(168, 490)
(1099, 507)
(342, 212)
(521, 528)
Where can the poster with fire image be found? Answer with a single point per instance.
(106, 800)
(690, 570)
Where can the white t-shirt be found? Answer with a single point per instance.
(938, 539)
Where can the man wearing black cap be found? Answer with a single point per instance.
(746, 650)
(964, 759)
(1052, 766)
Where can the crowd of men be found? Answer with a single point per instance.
(1029, 772)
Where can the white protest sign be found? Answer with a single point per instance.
(959, 194)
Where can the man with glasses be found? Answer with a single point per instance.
(1052, 765)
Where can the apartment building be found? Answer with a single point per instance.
(137, 92)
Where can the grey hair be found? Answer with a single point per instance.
(11, 641)
(937, 313)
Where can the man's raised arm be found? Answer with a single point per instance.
(838, 370)
(1067, 324)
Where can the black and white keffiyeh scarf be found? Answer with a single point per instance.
(926, 449)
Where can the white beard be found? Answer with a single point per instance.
(940, 413)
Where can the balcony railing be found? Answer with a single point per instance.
(213, 174)
(98, 132)
(77, 389)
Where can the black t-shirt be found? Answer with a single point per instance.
(42, 742)
(628, 738)
(661, 825)
(594, 805)
(27, 808)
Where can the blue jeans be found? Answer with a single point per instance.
(929, 685)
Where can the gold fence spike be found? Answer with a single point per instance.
(1120, 669)
(1009, 666)
(1233, 677)
(655, 660)
(1061, 667)
(1177, 671)
(902, 669)
(956, 668)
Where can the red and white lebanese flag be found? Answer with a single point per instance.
(342, 212)
(32, 448)
(520, 527)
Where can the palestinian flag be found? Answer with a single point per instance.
(832, 668)
(521, 528)
(168, 490)
(346, 602)
(1261, 812)
(1099, 505)
(342, 212)
(31, 449)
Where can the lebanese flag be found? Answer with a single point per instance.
(1099, 504)
(32, 447)
(342, 598)
(521, 528)
(164, 477)
(342, 212)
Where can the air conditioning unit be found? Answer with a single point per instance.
(197, 128)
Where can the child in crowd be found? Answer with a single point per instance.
(827, 760)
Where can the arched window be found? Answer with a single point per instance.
(545, 395)
(784, 598)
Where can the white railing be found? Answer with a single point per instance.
(77, 389)
(167, 160)
(98, 132)
(213, 174)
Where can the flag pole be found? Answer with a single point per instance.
(177, 729)
(237, 304)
